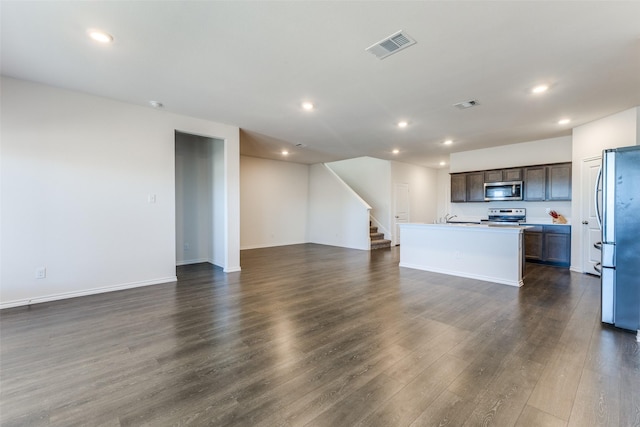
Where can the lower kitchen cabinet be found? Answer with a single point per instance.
(548, 244)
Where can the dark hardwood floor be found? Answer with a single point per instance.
(322, 336)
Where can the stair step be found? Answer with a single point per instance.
(376, 236)
(373, 229)
(380, 244)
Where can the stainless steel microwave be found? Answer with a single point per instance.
(509, 190)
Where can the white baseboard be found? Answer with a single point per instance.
(500, 280)
(193, 261)
(270, 245)
(85, 292)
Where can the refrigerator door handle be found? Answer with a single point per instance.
(596, 199)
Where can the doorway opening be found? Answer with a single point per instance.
(199, 189)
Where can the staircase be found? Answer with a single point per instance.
(377, 239)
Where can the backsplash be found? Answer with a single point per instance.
(536, 211)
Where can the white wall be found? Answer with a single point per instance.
(273, 204)
(443, 193)
(618, 130)
(553, 150)
(222, 192)
(337, 215)
(371, 179)
(76, 174)
(423, 190)
(374, 180)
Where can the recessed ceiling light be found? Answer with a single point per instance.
(540, 89)
(443, 163)
(156, 104)
(448, 142)
(396, 151)
(563, 121)
(402, 124)
(307, 106)
(100, 36)
(285, 153)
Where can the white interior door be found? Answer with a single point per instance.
(400, 209)
(590, 230)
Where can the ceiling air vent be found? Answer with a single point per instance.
(390, 45)
(466, 104)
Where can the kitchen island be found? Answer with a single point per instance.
(477, 251)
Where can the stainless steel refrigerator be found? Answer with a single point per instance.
(619, 217)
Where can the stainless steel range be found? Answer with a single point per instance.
(506, 216)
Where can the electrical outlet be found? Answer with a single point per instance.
(41, 272)
(151, 198)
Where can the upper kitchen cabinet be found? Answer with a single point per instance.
(501, 175)
(458, 187)
(467, 187)
(475, 187)
(550, 182)
(512, 174)
(535, 183)
(541, 182)
(559, 182)
(493, 176)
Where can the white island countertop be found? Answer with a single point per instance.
(479, 251)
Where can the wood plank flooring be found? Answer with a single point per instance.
(311, 335)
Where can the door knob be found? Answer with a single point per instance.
(585, 222)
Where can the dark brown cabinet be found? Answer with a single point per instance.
(467, 187)
(459, 187)
(512, 174)
(500, 175)
(550, 182)
(475, 187)
(548, 244)
(535, 183)
(493, 176)
(541, 183)
(559, 182)
(533, 243)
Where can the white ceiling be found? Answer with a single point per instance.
(251, 64)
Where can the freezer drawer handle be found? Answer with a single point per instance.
(597, 268)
